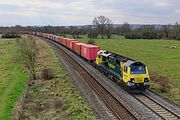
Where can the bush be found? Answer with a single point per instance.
(132, 36)
(76, 36)
(91, 41)
(11, 35)
(47, 74)
(142, 35)
(93, 35)
(164, 82)
(27, 55)
(178, 37)
(63, 35)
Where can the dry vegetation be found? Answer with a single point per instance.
(164, 83)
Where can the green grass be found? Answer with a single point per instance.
(12, 78)
(58, 89)
(156, 54)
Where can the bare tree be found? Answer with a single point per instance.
(28, 55)
(177, 30)
(103, 25)
(125, 28)
(166, 30)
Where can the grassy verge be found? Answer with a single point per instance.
(156, 54)
(12, 77)
(55, 98)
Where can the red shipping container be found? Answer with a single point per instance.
(56, 38)
(60, 40)
(89, 51)
(64, 41)
(50, 36)
(72, 44)
(77, 48)
(69, 41)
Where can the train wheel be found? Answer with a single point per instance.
(94, 64)
(107, 74)
(103, 71)
(100, 69)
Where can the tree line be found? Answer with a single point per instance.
(10, 35)
(103, 27)
(150, 32)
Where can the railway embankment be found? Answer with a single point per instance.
(55, 97)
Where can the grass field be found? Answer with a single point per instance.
(12, 78)
(56, 98)
(156, 54)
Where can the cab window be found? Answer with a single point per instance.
(138, 69)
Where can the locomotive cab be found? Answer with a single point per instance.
(135, 75)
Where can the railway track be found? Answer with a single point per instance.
(118, 109)
(157, 108)
(177, 105)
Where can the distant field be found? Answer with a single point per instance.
(12, 79)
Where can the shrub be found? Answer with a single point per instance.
(27, 55)
(139, 34)
(178, 37)
(47, 74)
(93, 35)
(75, 36)
(11, 35)
(164, 82)
(91, 41)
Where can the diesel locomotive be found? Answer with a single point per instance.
(133, 75)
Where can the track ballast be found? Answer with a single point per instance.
(113, 104)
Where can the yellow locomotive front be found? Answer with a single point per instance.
(135, 75)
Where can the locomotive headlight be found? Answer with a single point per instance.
(132, 80)
(146, 80)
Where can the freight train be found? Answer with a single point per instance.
(130, 74)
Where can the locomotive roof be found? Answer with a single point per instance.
(120, 57)
(130, 62)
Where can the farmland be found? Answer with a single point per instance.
(156, 54)
(12, 77)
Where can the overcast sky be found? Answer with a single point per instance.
(82, 12)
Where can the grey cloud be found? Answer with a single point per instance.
(81, 12)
